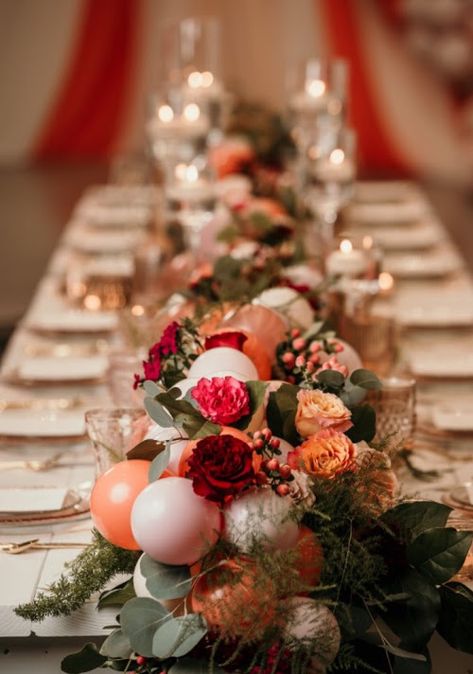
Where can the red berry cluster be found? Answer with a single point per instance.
(272, 472)
(277, 662)
(300, 358)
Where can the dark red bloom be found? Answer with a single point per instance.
(221, 466)
(232, 339)
(168, 342)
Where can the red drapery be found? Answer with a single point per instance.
(88, 114)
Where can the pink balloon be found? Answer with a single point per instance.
(173, 524)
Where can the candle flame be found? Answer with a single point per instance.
(207, 79)
(165, 113)
(346, 246)
(137, 310)
(337, 156)
(195, 80)
(315, 88)
(92, 302)
(192, 112)
(385, 281)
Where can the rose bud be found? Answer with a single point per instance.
(288, 358)
(295, 332)
(300, 361)
(275, 442)
(315, 347)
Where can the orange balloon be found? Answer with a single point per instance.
(310, 557)
(235, 597)
(112, 499)
(189, 448)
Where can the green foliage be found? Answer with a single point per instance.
(87, 659)
(87, 574)
(118, 595)
(116, 645)
(178, 636)
(408, 520)
(160, 463)
(281, 412)
(456, 623)
(164, 581)
(438, 554)
(256, 391)
(140, 618)
(364, 424)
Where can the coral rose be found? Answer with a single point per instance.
(326, 454)
(317, 410)
(222, 400)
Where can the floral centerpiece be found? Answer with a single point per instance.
(258, 524)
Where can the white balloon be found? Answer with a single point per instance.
(222, 359)
(313, 626)
(186, 384)
(262, 517)
(290, 304)
(139, 581)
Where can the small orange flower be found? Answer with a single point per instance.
(326, 454)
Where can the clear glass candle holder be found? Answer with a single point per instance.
(395, 406)
(122, 366)
(373, 337)
(113, 432)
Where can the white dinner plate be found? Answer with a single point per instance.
(422, 265)
(370, 191)
(67, 369)
(96, 242)
(74, 322)
(446, 363)
(100, 215)
(121, 195)
(27, 500)
(412, 238)
(378, 214)
(42, 423)
(455, 417)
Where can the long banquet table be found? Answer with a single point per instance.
(41, 645)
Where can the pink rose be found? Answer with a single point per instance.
(317, 410)
(222, 400)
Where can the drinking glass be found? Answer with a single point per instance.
(395, 406)
(113, 432)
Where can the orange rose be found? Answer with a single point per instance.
(326, 454)
(317, 410)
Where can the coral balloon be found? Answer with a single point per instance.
(256, 352)
(112, 499)
(189, 448)
(173, 524)
(268, 326)
(235, 597)
(310, 557)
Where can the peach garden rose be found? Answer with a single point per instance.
(317, 410)
(325, 454)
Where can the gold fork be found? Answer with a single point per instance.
(36, 544)
(36, 465)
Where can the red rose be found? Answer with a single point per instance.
(222, 400)
(232, 339)
(221, 466)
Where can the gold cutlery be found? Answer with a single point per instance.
(36, 465)
(36, 544)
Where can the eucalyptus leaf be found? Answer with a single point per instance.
(439, 553)
(118, 595)
(158, 413)
(179, 636)
(152, 388)
(116, 645)
(139, 619)
(331, 378)
(160, 463)
(85, 660)
(456, 616)
(164, 581)
(410, 519)
(146, 450)
(352, 395)
(365, 379)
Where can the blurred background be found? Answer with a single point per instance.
(75, 76)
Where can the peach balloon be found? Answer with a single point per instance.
(189, 448)
(174, 525)
(310, 556)
(112, 499)
(266, 324)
